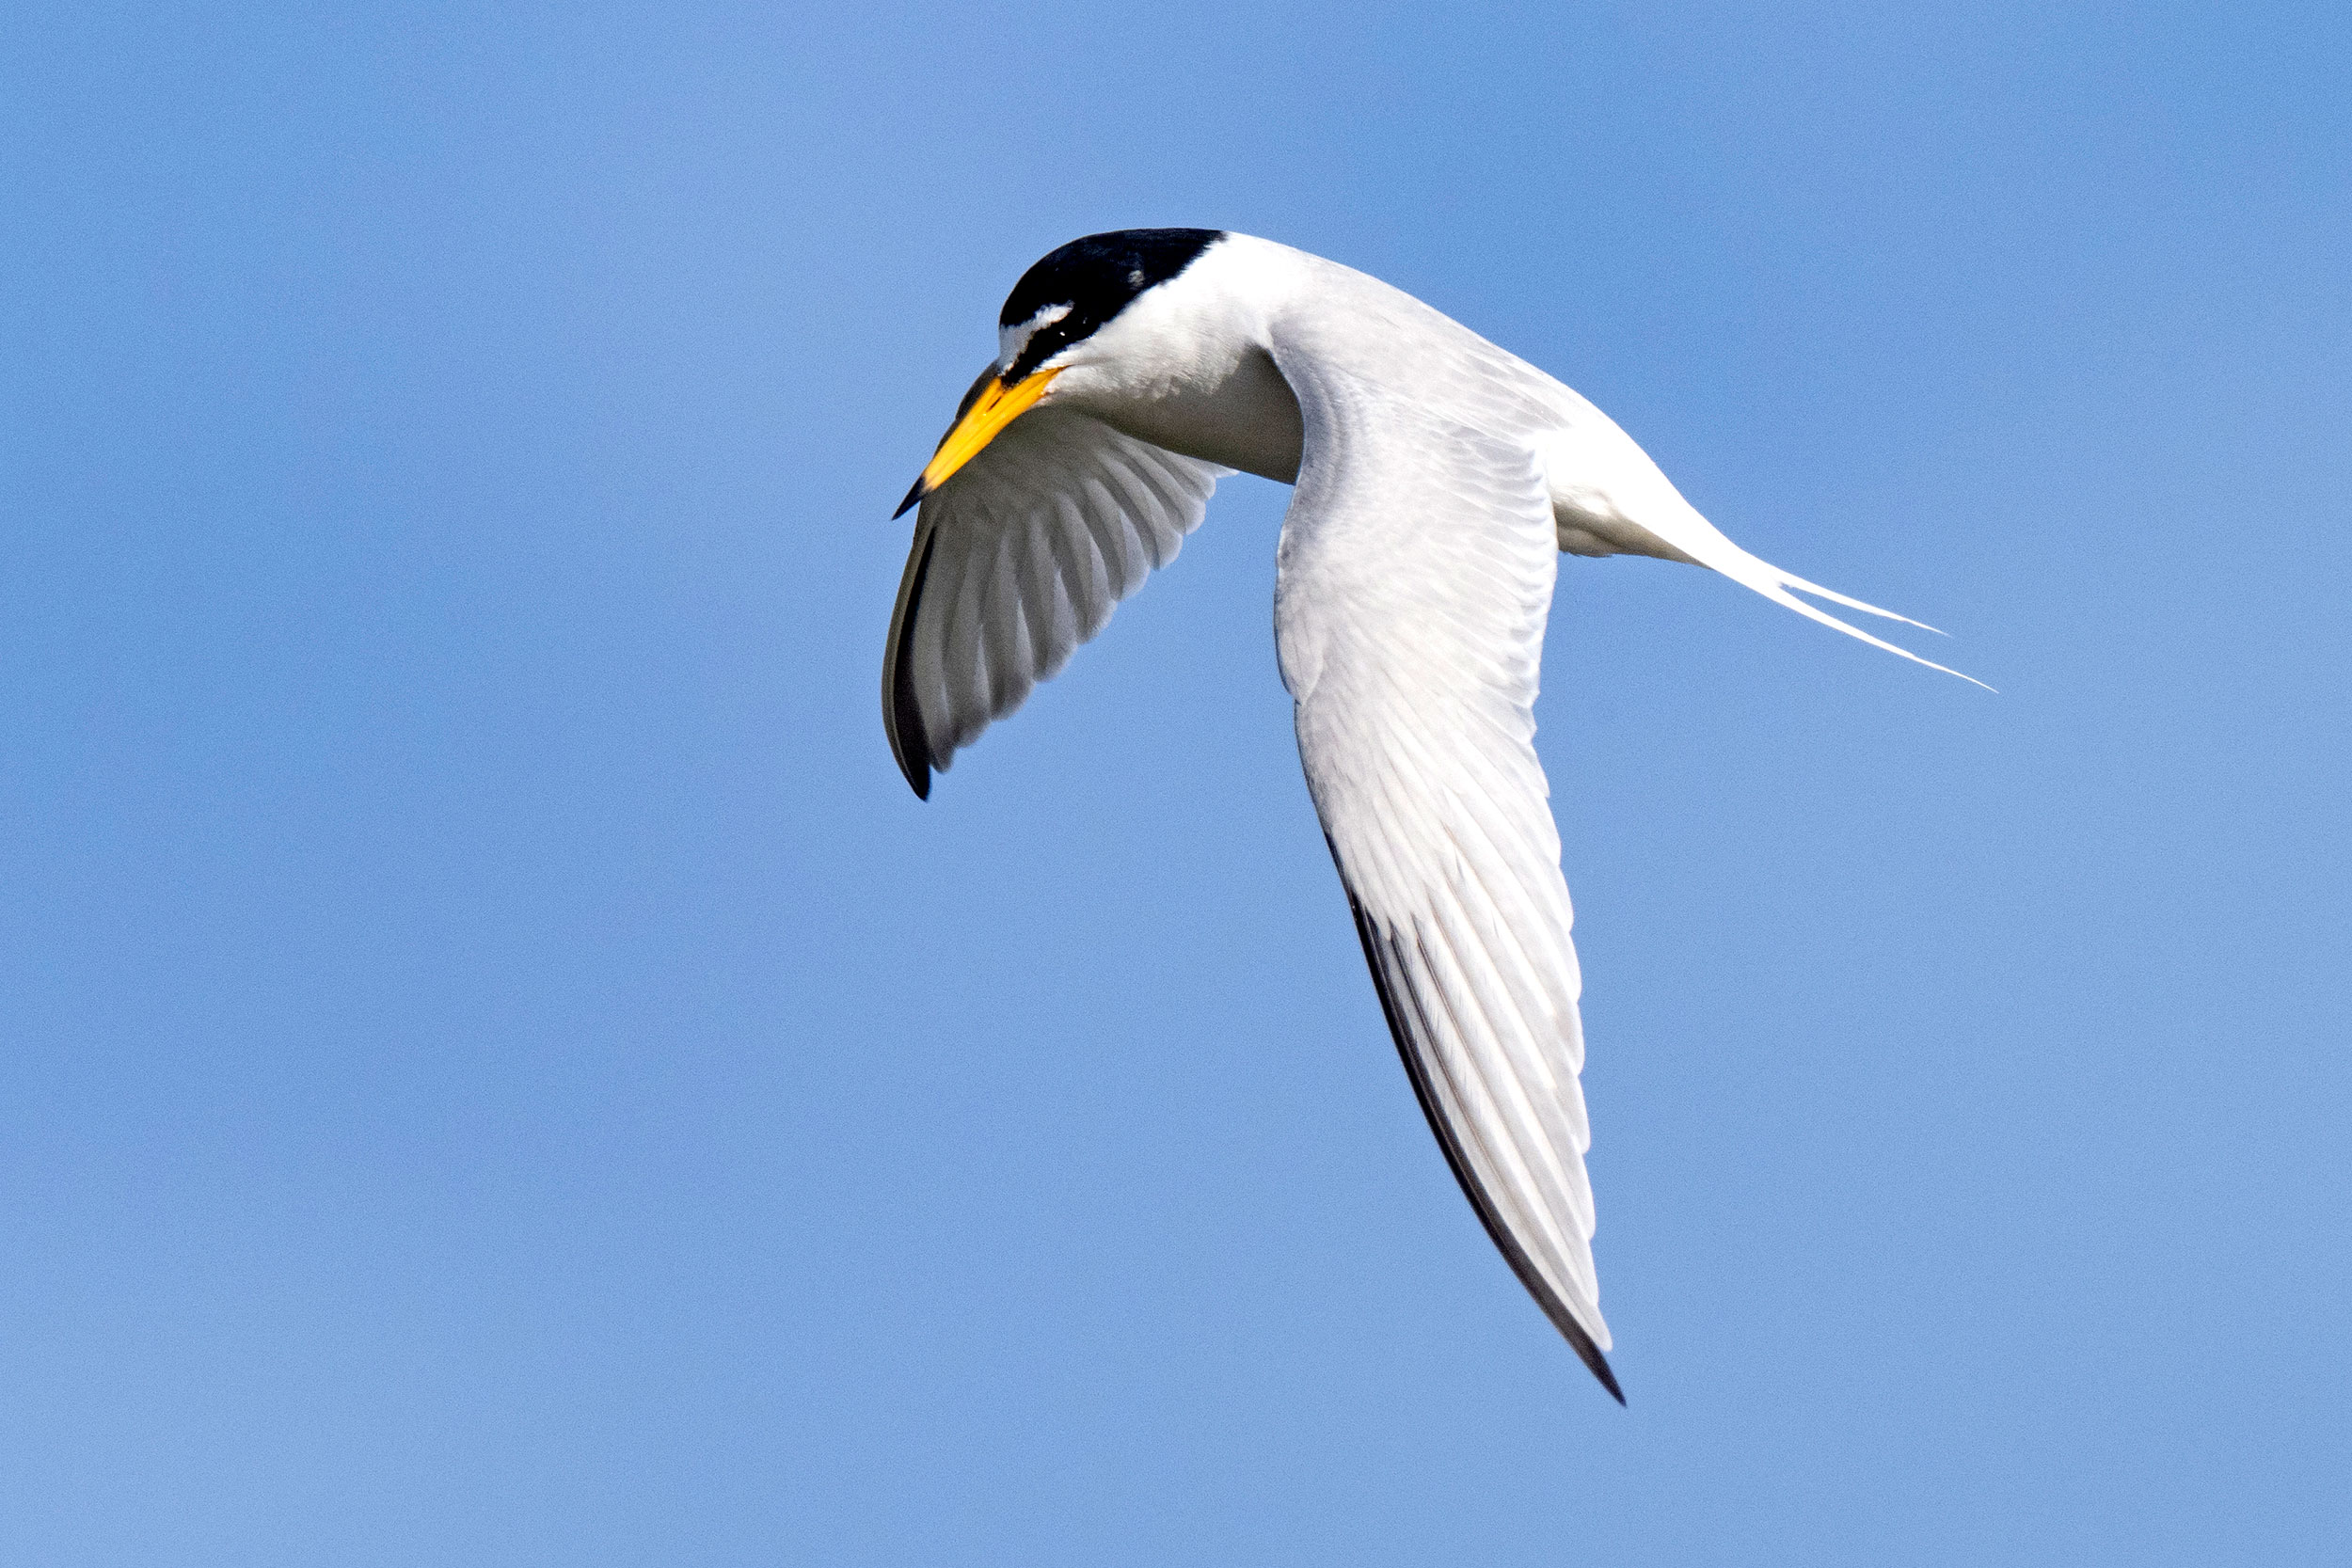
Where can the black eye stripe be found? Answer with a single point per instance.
(1042, 345)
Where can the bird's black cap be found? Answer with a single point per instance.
(1096, 278)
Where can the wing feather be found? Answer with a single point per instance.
(1018, 560)
(1415, 578)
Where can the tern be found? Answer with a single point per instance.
(1438, 480)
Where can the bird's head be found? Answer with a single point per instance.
(1069, 331)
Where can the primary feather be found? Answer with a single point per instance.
(1017, 561)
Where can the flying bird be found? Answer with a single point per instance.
(1438, 477)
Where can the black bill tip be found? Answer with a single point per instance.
(914, 493)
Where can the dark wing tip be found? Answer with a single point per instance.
(918, 773)
(1590, 1354)
(1513, 1253)
(908, 743)
(902, 715)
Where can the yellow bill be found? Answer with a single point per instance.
(996, 406)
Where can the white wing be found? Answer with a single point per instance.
(1416, 573)
(1018, 559)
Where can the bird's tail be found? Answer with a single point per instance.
(1703, 542)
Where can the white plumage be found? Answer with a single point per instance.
(1438, 479)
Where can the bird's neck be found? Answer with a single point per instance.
(1188, 365)
(1244, 418)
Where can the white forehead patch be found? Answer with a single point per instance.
(1011, 340)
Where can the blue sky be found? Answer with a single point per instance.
(497, 1067)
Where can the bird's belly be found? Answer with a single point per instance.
(1250, 421)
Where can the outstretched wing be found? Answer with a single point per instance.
(1416, 573)
(1018, 559)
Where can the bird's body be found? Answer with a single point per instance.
(1438, 477)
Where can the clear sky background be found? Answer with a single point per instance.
(496, 1067)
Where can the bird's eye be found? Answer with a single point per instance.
(1134, 278)
(1033, 339)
